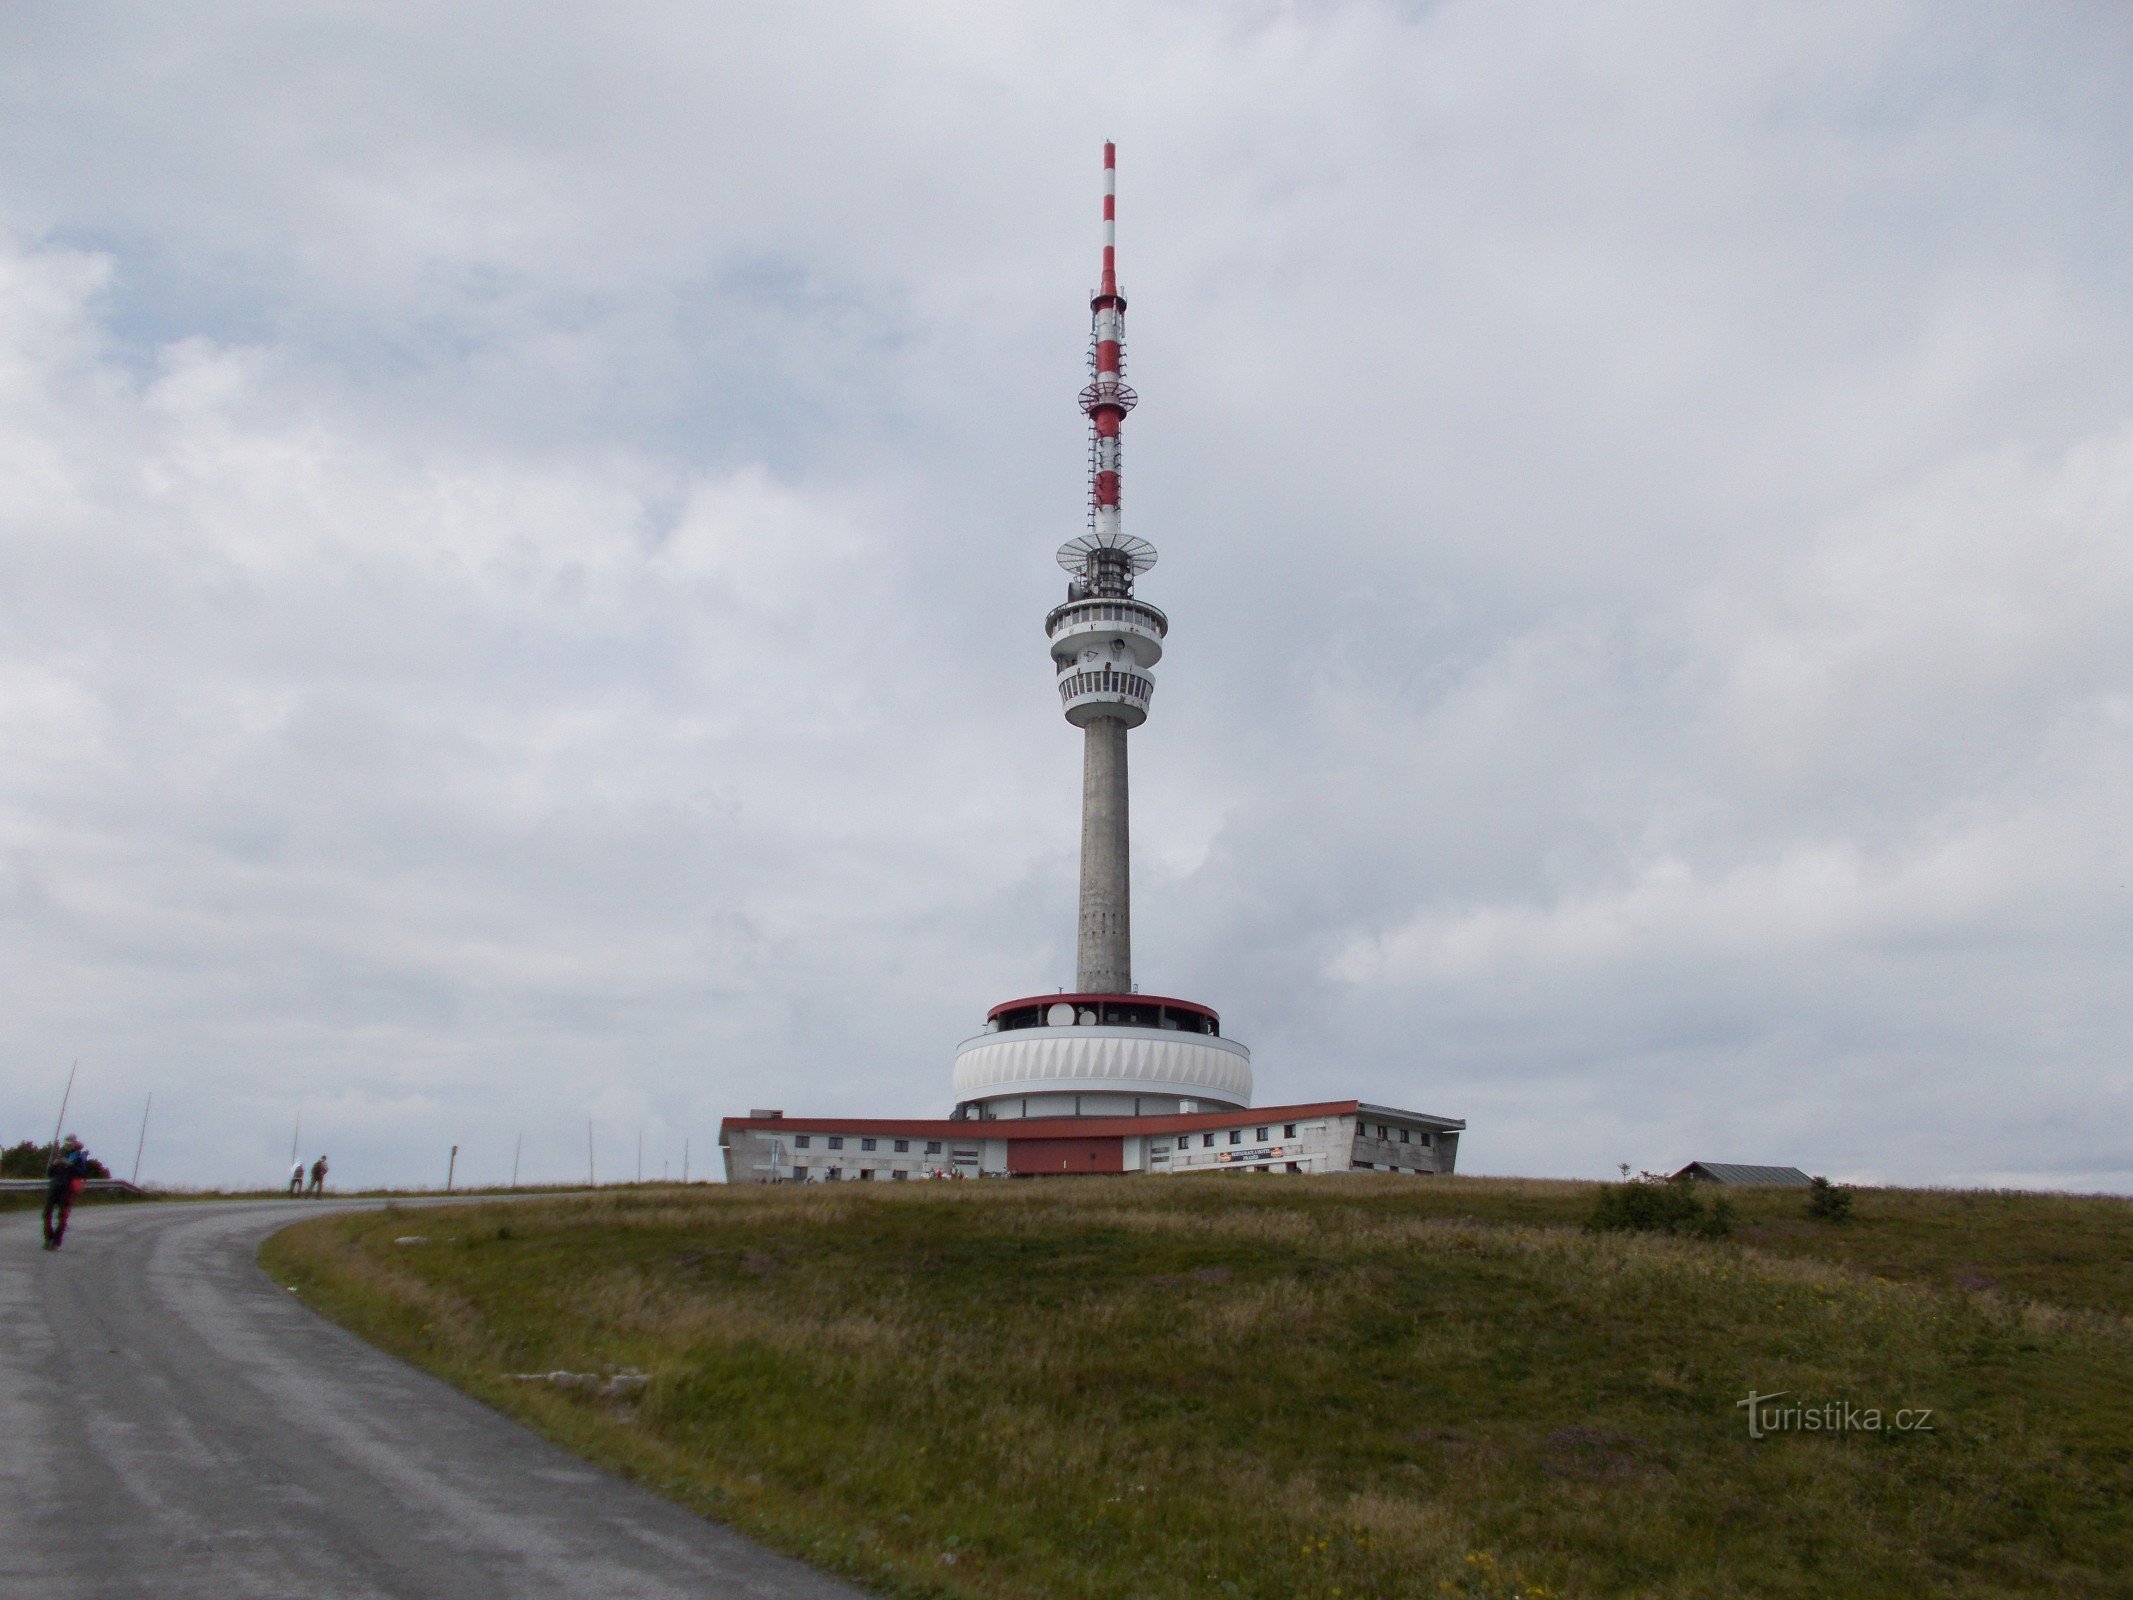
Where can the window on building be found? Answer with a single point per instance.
(1422, 1139)
(866, 1174)
(836, 1141)
(799, 1174)
(899, 1177)
(866, 1144)
(1403, 1136)
(1296, 1166)
(903, 1147)
(1236, 1136)
(1207, 1141)
(1259, 1135)
(1288, 1130)
(1381, 1130)
(800, 1141)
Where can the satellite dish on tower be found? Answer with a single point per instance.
(1075, 554)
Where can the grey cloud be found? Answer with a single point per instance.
(522, 534)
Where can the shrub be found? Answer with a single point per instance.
(29, 1159)
(1652, 1204)
(1829, 1202)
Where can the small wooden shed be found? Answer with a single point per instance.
(1744, 1177)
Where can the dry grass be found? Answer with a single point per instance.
(1278, 1387)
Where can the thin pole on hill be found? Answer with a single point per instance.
(142, 1143)
(53, 1154)
(591, 1181)
(451, 1167)
(515, 1149)
(296, 1134)
(684, 1161)
(640, 1154)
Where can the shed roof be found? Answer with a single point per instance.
(1750, 1177)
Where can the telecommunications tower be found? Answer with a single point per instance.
(1103, 1049)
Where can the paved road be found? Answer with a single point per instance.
(173, 1425)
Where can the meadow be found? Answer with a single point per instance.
(1282, 1387)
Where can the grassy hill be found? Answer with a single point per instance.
(1375, 1386)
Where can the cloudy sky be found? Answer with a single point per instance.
(525, 529)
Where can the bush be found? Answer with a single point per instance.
(1829, 1202)
(24, 1160)
(1652, 1204)
(30, 1159)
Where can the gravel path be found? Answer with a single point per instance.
(174, 1425)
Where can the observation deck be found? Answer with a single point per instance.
(1100, 1055)
(1103, 650)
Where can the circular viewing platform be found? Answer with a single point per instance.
(1100, 1055)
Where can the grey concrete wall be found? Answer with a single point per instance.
(1394, 1155)
(1106, 945)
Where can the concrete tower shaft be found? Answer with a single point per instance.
(1104, 950)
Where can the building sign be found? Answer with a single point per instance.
(1224, 1158)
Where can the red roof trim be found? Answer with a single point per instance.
(1044, 1127)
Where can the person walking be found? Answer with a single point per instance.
(296, 1177)
(63, 1181)
(318, 1177)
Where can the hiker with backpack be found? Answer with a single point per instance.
(64, 1178)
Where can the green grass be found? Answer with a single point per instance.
(1285, 1387)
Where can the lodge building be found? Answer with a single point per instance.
(1322, 1137)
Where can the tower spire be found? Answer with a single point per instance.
(1106, 560)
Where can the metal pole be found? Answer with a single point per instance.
(515, 1149)
(57, 1127)
(143, 1143)
(451, 1168)
(295, 1135)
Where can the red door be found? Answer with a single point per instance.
(1037, 1156)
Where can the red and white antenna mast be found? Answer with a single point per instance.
(1107, 559)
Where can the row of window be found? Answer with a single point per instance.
(896, 1146)
(1109, 612)
(836, 1175)
(1418, 1138)
(1106, 682)
(1207, 1140)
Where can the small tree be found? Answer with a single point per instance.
(30, 1160)
(1829, 1202)
(1652, 1204)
